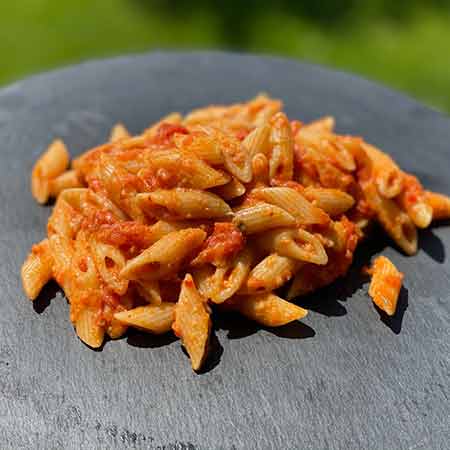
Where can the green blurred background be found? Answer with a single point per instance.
(402, 43)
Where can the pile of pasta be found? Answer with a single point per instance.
(231, 208)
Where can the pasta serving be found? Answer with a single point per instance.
(227, 208)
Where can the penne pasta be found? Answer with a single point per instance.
(241, 197)
(281, 163)
(440, 205)
(51, 164)
(192, 322)
(294, 243)
(37, 270)
(395, 222)
(414, 203)
(271, 273)
(227, 280)
(262, 217)
(67, 180)
(88, 330)
(181, 169)
(150, 291)
(165, 256)
(294, 203)
(385, 284)
(118, 132)
(268, 309)
(333, 201)
(182, 203)
(156, 319)
(389, 178)
(231, 190)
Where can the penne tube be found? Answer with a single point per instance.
(268, 309)
(109, 262)
(294, 243)
(173, 118)
(118, 132)
(294, 203)
(333, 201)
(262, 217)
(200, 145)
(385, 284)
(272, 272)
(184, 169)
(395, 222)
(155, 319)
(180, 203)
(192, 322)
(440, 205)
(51, 164)
(413, 201)
(150, 291)
(281, 162)
(231, 190)
(165, 256)
(37, 270)
(389, 178)
(88, 329)
(66, 180)
(227, 280)
(257, 141)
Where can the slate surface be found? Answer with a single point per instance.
(344, 380)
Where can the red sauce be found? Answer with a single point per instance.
(126, 234)
(224, 243)
(166, 131)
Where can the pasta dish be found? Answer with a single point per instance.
(229, 208)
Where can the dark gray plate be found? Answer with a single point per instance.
(348, 378)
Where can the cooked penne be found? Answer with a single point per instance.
(192, 322)
(88, 329)
(294, 203)
(118, 132)
(413, 201)
(333, 201)
(37, 269)
(294, 243)
(241, 197)
(171, 119)
(395, 222)
(66, 180)
(268, 309)
(201, 145)
(227, 280)
(262, 217)
(281, 163)
(50, 165)
(231, 190)
(174, 168)
(156, 319)
(182, 203)
(165, 256)
(150, 291)
(440, 204)
(110, 261)
(385, 284)
(389, 178)
(271, 273)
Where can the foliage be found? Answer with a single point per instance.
(403, 43)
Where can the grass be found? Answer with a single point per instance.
(408, 53)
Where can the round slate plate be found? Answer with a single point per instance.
(345, 378)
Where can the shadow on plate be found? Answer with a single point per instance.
(44, 298)
(432, 245)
